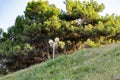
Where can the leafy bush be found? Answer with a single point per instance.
(28, 47)
(90, 43)
(17, 48)
(61, 44)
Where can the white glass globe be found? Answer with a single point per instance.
(50, 41)
(56, 39)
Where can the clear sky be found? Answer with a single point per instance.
(10, 9)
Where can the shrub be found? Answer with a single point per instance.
(90, 43)
(61, 44)
(17, 48)
(28, 47)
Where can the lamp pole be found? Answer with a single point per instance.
(54, 44)
(53, 51)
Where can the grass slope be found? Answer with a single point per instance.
(89, 64)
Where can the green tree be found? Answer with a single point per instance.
(81, 22)
(1, 33)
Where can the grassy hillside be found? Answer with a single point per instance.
(89, 64)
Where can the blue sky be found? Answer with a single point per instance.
(10, 9)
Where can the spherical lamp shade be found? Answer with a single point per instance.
(56, 39)
(50, 41)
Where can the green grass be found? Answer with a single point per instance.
(89, 64)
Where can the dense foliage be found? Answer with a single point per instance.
(26, 42)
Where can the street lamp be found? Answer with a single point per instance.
(54, 44)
